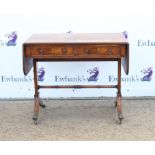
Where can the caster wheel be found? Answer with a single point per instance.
(35, 118)
(120, 118)
(41, 104)
(35, 122)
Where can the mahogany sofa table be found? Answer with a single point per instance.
(76, 47)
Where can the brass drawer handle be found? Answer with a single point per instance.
(87, 51)
(109, 51)
(41, 51)
(64, 51)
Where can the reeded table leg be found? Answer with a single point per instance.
(36, 95)
(119, 96)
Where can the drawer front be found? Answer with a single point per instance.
(99, 50)
(50, 51)
(74, 51)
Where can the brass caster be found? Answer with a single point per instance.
(41, 104)
(35, 122)
(120, 118)
(35, 118)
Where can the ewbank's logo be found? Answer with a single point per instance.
(147, 74)
(125, 33)
(79, 78)
(9, 39)
(12, 38)
(94, 74)
(41, 74)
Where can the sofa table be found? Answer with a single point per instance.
(76, 47)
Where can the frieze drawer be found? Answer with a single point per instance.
(50, 51)
(81, 50)
(99, 50)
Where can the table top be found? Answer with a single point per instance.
(100, 40)
(78, 38)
